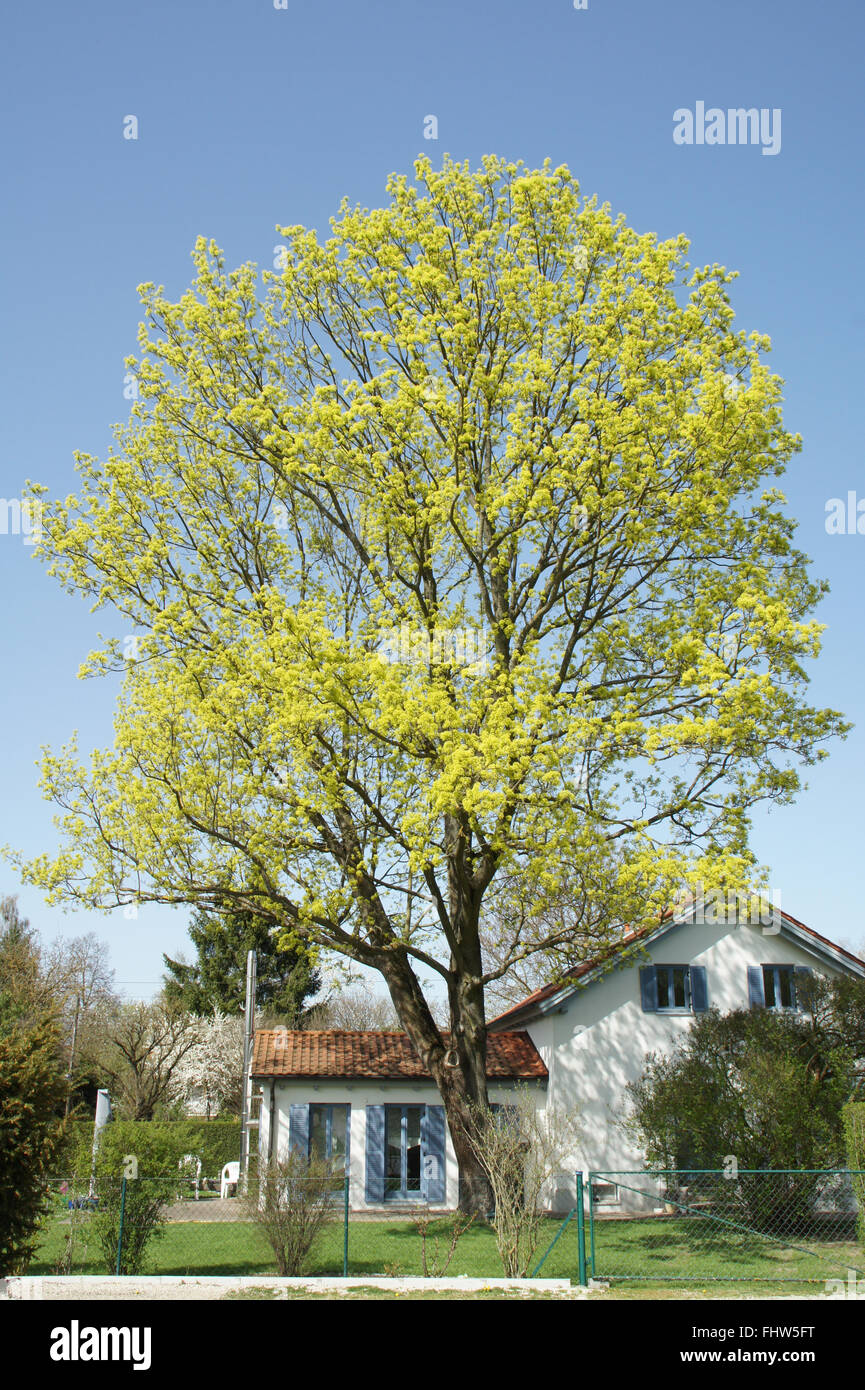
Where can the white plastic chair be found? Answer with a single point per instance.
(190, 1167)
(230, 1178)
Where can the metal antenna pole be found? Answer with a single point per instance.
(248, 1036)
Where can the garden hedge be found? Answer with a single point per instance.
(158, 1143)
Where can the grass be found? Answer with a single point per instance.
(225, 1247)
(682, 1249)
(679, 1247)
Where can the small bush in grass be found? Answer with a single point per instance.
(143, 1219)
(293, 1204)
(157, 1185)
(434, 1260)
(77, 1234)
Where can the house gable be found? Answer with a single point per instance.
(656, 943)
(595, 1032)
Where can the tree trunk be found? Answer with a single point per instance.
(457, 1064)
(475, 1194)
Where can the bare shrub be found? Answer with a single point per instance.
(295, 1200)
(521, 1150)
(357, 1009)
(434, 1260)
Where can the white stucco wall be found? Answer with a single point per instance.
(358, 1095)
(597, 1041)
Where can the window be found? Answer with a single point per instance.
(605, 1194)
(328, 1133)
(406, 1153)
(403, 1151)
(779, 987)
(673, 989)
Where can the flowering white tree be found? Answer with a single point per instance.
(209, 1079)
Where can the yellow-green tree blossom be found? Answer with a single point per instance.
(453, 554)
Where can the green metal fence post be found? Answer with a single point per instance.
(592, 1224)
(120, 1232)
(345, 1234)
(581, 1231)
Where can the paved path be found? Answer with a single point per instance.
(232, 1209)
(207, 1209)
(199, 1287)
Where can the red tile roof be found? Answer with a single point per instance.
(379, 1056)
(607, 956)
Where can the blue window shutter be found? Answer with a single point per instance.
(433, 1148)
(375, 1153)
(298, 1129)
(699, 989)
(756, 995)
(649, 989)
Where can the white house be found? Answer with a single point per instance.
(366, 1098)
(577, 1044)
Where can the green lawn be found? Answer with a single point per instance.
(679, 1249)
(380, 1247)
(676, 1248)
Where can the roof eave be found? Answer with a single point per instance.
(354, 1078)
(790, 928)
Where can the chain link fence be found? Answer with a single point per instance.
(162, 1225)
(736, 1225)
(675, 1226)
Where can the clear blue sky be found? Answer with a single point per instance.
(251, 116)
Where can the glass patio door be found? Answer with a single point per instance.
(403, 1171)
(328, 1134)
